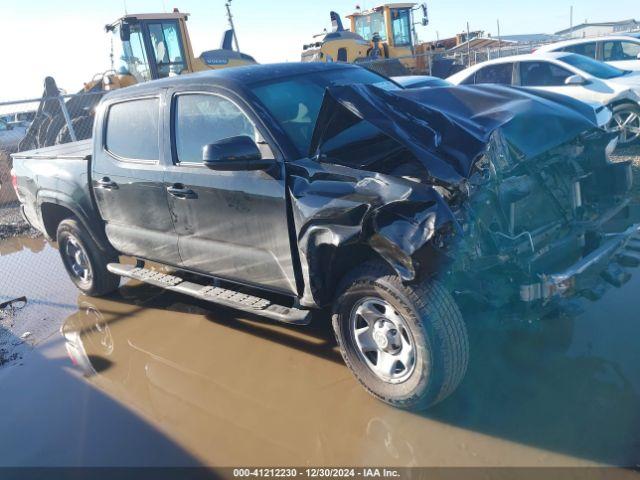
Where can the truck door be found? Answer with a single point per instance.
(127, 179)
(231, 224)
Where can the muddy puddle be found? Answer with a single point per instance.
(30, 267)
(147, 377)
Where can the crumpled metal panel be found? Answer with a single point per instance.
(446, 130)
(337, 207)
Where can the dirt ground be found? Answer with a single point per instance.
(12, 224)
(631, 154)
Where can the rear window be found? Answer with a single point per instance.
(586, 49)
(501, 73)
(132, 129)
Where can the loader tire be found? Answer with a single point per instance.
(82, 126)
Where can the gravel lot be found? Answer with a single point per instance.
(12, 224)
(631, 154)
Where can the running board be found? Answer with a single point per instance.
(218, 295)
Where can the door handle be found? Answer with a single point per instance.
(181, 192)
(107, 184)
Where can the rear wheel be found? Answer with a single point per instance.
(85, 263)
(626, 122)
(406, 344)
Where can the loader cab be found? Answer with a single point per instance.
(388, 27)
(151, 46)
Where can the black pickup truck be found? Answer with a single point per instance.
(284, 189)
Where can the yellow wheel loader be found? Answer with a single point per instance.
(378, 35)
(145, 47)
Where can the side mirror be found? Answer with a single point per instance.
(125, 32)
(575, 80)
(234, 153)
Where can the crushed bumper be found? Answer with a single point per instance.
(584, 275)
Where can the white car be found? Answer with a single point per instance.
(420, 81)
(570, 74)
(621, 51)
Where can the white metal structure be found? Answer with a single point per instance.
(577, 76)
(621, 51)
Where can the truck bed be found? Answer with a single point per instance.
(56, 177)
(68, 151)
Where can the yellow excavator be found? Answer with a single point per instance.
(145, 47)
(376, 35)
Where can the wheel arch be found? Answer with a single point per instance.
(623, 101)
(53, 210)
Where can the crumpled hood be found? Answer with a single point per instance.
(448, 128)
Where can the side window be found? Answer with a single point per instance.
(586, 49)
(167, 48)
(619, 50)
(501, 73)
(542, 74)
(201, 119)
(132, 129)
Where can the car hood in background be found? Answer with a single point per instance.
(631, 80)
(447, 129)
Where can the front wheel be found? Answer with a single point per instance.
(85, 263)
(626, 123)
(406, 344)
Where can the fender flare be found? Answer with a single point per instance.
(94, 228)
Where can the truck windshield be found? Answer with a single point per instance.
(295, 102)
(593, 67)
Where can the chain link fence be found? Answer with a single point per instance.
(27, 264)
(446, 63)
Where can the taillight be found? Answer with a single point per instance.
(14, 181)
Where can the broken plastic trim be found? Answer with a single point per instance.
(341, 206)
(11, 306)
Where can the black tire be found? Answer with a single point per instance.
(626, 109)
(82, 126)
(434, 323)
(100, 281)
(53, 129)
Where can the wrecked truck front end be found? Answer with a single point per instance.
(507, 195)
(553, 226)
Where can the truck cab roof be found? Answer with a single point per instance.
(236, 78)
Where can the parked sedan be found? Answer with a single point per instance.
(420, 81)
(621, 51)
(569, 74)
(10, 136)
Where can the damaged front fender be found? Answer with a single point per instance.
(343, 215)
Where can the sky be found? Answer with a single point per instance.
(66, 38)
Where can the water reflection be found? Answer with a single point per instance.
(240, 390)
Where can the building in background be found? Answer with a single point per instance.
(599, 29)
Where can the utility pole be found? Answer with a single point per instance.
(499, 40)
(233, 28)
(571, 21)
(468, 46)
